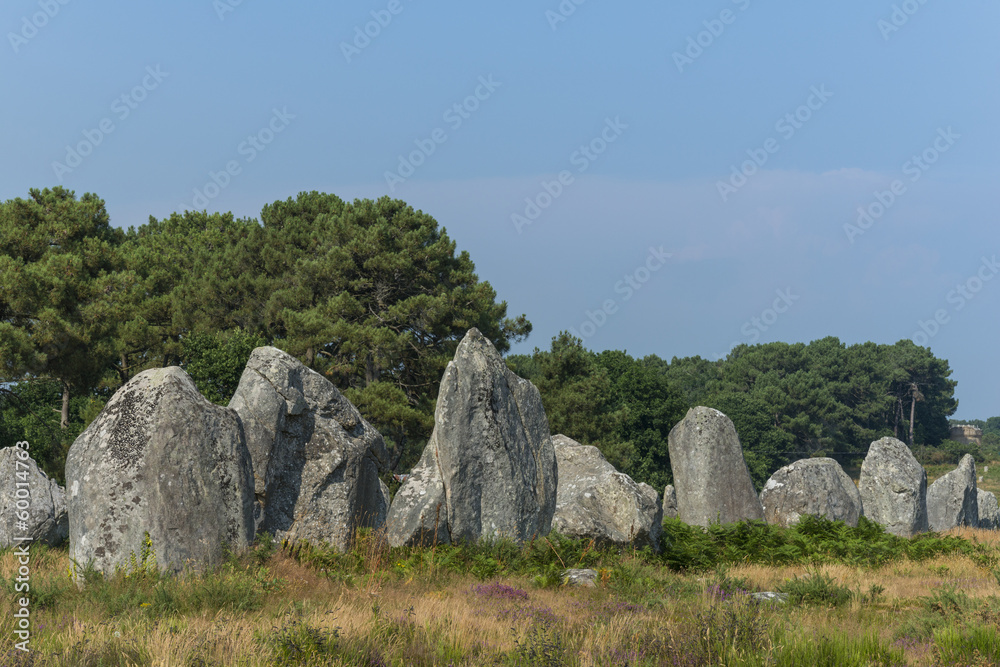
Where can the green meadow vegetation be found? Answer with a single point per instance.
(848, 596)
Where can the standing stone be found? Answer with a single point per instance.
(669, 502)
(989, 511)
(711, 476)
(953, 499)
(28, 495)
(316, 461)
(811, 486)
(595, 501)
(489, 468)
(893, 488)
(159, 459)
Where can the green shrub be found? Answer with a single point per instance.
(950, 452)
(298, 643)
(814, 540)
(816, 588)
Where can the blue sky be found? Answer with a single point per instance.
(590, 141)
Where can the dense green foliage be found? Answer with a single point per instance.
(372, 294)
(790, 401)
(787, 401)
(609, 400)
(813, 540)
(58, 263)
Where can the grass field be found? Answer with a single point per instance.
(853, 596)
(503, 605)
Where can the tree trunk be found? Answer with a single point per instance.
(371, 370)
(310, 356)
(913, 413)
(64, 419)
(400, 446)
(123, 371)
(899, 417)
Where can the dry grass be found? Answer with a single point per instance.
(442, 619)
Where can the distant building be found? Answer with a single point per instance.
(966, 434)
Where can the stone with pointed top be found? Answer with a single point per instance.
(316, 461)
(953, 498)
(489, 468)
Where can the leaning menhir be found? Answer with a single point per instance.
(489, 468)
(989, 511)
(593, 500)
(811, 486)
(893, 488)
(953, 499)
(32, 506)
(316, 461)
(159, 460)
(710, 475)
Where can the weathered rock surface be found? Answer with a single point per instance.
(953, 500)
(580, 577)
(159, 459)
(670, 502)
(489, 468)
(595, 501)
(316, 461)
(893, 488)
(989, 511)
(811, 486)
(711, 477)
(28, 495)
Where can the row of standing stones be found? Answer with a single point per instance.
(291, 456)
(713, 485)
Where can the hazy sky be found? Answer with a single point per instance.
(668, 178)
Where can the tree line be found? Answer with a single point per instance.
(375, 296)
(787, 401)
(372, 294)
